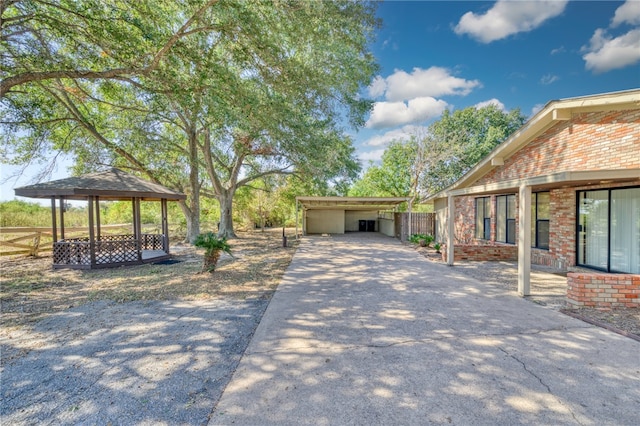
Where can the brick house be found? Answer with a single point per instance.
(562, 191)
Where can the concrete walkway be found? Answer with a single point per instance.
(365, 331)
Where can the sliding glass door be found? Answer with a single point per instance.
(625, 230)
(609, 229)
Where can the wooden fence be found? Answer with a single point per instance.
(31, 241)
(421, 223)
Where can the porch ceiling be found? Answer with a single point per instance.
(350, 203)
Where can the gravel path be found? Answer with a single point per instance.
(129, 363)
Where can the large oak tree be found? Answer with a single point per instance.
(208, 95)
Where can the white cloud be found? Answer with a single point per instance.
(606, 53)
(560, 49)
(493, 101)
(509, 17)
(390, 114)
(378, 87)
(402, 133)
(431, 82)
(549, 79)
(536, 109)
(375, 155)
(628, 13)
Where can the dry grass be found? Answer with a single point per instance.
(30, 289)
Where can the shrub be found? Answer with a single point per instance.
(213, 245)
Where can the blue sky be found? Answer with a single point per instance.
(455, 54)
(517, 54)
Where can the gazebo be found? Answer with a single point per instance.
(98, 250)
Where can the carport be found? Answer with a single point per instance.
(337, 215)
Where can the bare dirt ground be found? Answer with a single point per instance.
(548, 288)
(31, 290)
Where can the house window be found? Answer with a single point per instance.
(483, 218)
(540, 220)
(608, 232)
(506, 219)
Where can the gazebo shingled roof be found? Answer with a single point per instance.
(113, 184)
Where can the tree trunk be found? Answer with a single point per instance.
(192, 212)
(210, 261)
(193, 220)
(226, 214)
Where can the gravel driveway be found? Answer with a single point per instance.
(146, 363)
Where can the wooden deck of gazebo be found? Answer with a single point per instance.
(98, 250)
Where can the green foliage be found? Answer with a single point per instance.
(393, 177)
(422, 239)
(470, 134)
(17, 213)
(437, 246)
(212, 243)
(201, 96)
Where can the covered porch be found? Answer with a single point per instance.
(523, 188)
(98, 250)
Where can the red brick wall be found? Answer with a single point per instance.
(603, 290)
(593, 141)
(590, 141)
(477, 252)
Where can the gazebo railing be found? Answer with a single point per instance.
(109, 250)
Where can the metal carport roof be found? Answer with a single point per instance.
(350, 203)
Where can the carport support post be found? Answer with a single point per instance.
(524, 241)
(450, 229)
(296, 219)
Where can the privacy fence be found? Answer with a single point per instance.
(421, 223)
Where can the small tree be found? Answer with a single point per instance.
(213, 246)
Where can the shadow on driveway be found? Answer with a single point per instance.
(364, 330)
(131, 363)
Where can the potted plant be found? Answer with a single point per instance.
(437, 246)
(213, 246)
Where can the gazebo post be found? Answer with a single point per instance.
(98, 232)
(137, 226)
(61, 217)
(92, 234)
(54, 229)
(165, 225)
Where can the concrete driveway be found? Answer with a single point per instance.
(363, 330)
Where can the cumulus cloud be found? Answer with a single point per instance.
(390, 114)
(506, 18)
(628, 13)
(549, 79)
(431, 82)
(400, 134)
(606, 53)
(378, 87)
(375, 155)
(493, 101)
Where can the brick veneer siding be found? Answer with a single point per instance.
(592, 141)
(603, 290)
(589, 141)
(477, 252)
